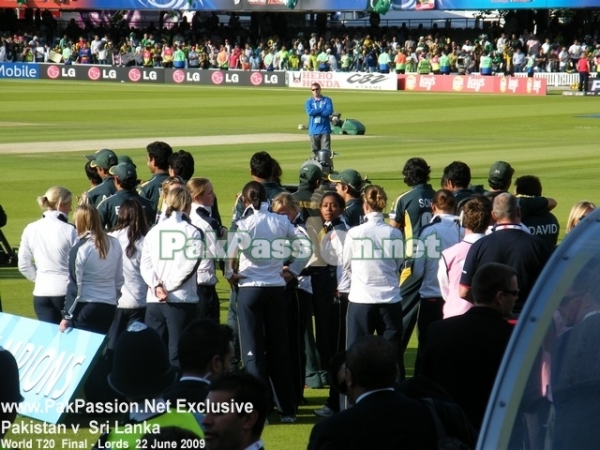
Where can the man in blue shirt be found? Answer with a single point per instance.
(319, 108)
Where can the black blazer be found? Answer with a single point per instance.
(384, 420)
(463, 353)
(190, 390)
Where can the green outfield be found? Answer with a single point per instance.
(545, 136)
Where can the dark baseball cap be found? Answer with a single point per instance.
(349, 177)
(501, 172)
(104, 158)
(125, 159)
(124, 172)
(311, 173)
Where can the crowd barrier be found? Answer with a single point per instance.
(517, 84)
(473, 84)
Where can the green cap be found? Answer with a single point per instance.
(501, 172)
(310, 173)
(104, 158)
(349, 177)
(124, 172)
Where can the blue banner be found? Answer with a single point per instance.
(19, 70)
(51, 364)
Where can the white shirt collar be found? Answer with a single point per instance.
(365, 394)
(255, 446)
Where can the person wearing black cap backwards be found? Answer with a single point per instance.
(101, 161)
(124, 181)
(10, 390)
(142, 373)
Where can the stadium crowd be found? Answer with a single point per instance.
(108, 274)
(206, 44)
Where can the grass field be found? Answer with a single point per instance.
(548, 137)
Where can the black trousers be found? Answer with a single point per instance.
(48, 309)
(170, 319)
(97, 318)
(94, 317)
(363, 319)
(583, 81)
(208, 304)
(123, 318)
(232, 321)
(337, 340)
(264, 345)
(410, 307)
(324, 284)
(430, 310)
(297, 307)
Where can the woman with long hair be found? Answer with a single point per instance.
(577, 214)
(45, 261)
(130, 230)
(95, 275)
(261, 239)
(201, 216)
(373, 254)
(170, 258)
(298, 296)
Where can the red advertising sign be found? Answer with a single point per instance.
(475, 84)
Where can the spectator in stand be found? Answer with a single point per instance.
(45, 261)
(400, 61)
(384, 61)
(193, 58)
(578, 212)
(518, 60)
(222, 58)
(167, 55)
(234, 57)
(583, 67)
(179, 57)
